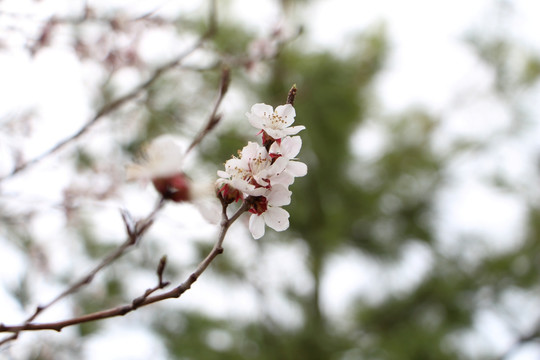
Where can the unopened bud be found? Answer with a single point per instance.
(230, 194)
(175, 187)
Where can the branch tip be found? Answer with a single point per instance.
(292, 95)
(162, 264)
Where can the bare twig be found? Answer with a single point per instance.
(104, 110)
(144, 299)
(292, 95)
(160, 285)
(135, 232)
(214, 118)
(109, 107)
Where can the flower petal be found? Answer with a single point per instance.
(164, 147)
(223, 174)
(262, 110)
(277, 218)
(288, 147)
(279, 196)
(297, 168)
(283, 178)
(233, 166)
(255, 121)
(251, 150)
(281, 133)
(277, 167)
(161, 157)
(275, 133)
(293, 130)
(209, 209)
(247, 188)
(256, 226)
(287, 113)
(258, 117)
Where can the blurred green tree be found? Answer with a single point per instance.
(374, 207)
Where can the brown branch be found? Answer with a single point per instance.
(109, 107)
(145, 299)
(160, 285)
(135, 232)
(214, 118)
(104, 110)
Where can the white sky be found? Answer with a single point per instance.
(429, 65)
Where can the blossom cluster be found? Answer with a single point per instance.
(261, 174)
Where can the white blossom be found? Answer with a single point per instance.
(161, 163)
(276, 122)
(253, 171)
(267, 211)
(162, 157)
(288, 148)
(203, 197)
(261, 175)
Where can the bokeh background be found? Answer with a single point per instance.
(413, 236)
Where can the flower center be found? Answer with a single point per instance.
(258, 164)
(259, 205)
(276, 121)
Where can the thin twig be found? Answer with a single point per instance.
(214, 118)
(143, 300)
(104, 110)
(291, 95)
(117, 103)
(132, 239)
(160, 285)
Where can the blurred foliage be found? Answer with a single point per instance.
(373, 207)
(332, 209)
(515, 66)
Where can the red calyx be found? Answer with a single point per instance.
(230, 194)
(267, 140)
(259, 205)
